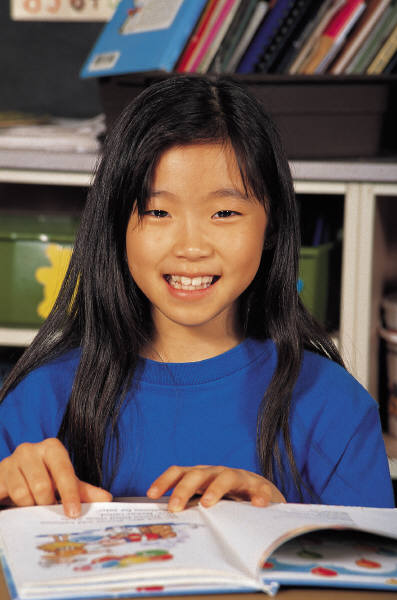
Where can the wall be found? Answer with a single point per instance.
(40, 63)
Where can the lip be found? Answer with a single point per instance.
(191, 275)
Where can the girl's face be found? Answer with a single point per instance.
(199, 243)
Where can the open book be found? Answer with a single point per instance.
(132, 549)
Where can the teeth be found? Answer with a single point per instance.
(181, 282)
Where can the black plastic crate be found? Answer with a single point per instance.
(319, 117)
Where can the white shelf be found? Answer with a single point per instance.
(13, 336)
(32, 166)
(44, 177)
(359, 171)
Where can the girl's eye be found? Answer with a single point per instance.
(223, 214)
(157, 213)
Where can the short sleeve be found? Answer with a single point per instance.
(337, 438)
(361, 474)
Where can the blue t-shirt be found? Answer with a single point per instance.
(205, 413)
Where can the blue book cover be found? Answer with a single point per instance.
(267, 30)
(145, 35)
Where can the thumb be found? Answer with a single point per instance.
(92, 493)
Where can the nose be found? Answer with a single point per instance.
(191, 242)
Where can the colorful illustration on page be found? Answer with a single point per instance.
(330, 554)
(116, 546)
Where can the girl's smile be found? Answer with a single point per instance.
(190, 287)
(190, 283)
(198, 244)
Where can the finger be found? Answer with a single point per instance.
(189, 485)
(92, 493)
(59, 465)
(17, 488)
(166, 481)
(3, 480)
(226, 481)
(275, 495)
(28, 461)
(24, 479)
(242, 485)
(38, 480)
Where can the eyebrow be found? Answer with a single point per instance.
(220, 193)
(224, 192)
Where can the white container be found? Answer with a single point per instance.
(389, 304)
(391, 345)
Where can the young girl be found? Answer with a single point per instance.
(179, 338)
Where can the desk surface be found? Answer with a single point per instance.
(285, 594)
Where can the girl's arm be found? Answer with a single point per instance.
(213, 483)
(38, 473)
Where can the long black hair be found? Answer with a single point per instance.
(101, 310)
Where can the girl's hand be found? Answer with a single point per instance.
(35, 473)
(213, 483)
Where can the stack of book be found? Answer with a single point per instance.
(249, 36)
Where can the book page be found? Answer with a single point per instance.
(254, 533)
(121, 546)
(335, 557)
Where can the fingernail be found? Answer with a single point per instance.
(174, 504)
(259, 501)
(152, 492)
(72, 509)
(207, 499)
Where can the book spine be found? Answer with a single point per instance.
(352, 46)
(219, 4)
(381, 31)
(341, 38)
(329, 10)
(384, 55)
(230, 11)
(342, 18)
(233, 36)
(286, 33)
(212, 34)
(257, 18)
(391, 67)
(324, 15)
(300, 39)
(334, 32)
(194, 40)
(264, 35)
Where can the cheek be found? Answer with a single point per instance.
(136, 251)
(248, 251)
(251, 256)
(143, 250)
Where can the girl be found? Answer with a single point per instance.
(178, 337)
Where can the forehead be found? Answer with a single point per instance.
(202, 165)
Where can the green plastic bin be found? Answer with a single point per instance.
(314, 279)
(34, 253)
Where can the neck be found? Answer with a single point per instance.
(190, 345)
